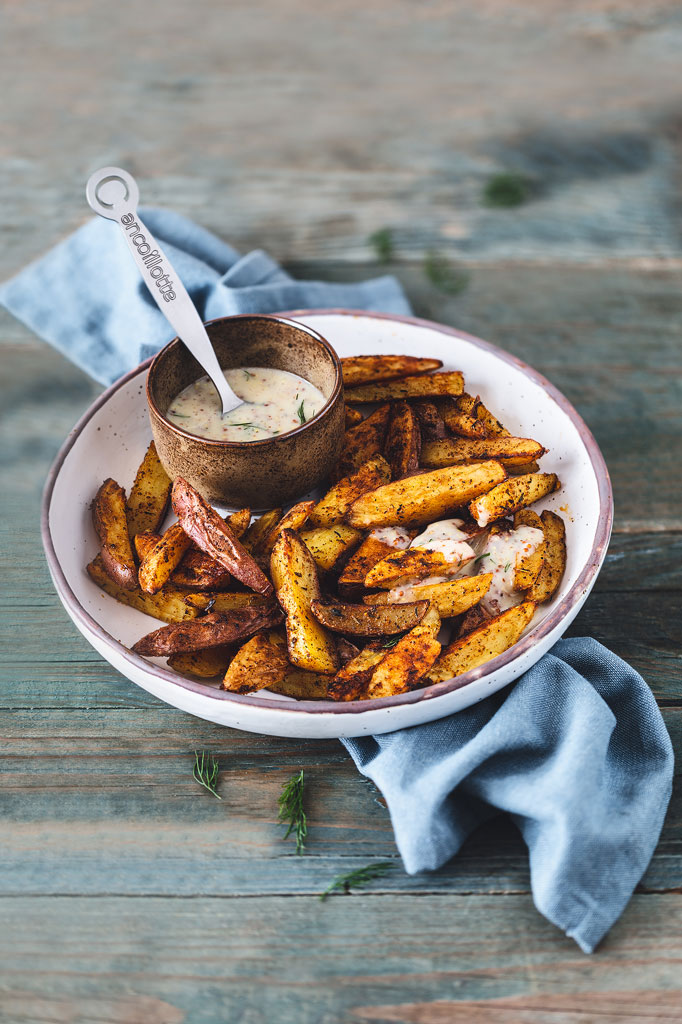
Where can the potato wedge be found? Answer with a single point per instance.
(353, 417)
(366, 369)
(430, 420)
(448, 382)
(148, 498)
(159, 562)
(332, 508)
(471, 620)
(460, 417)
(492, 425)
(405, 664)
(413, 564)
(295, 518)
(198, 571)
(369, 620)
(554, 559)
(353, 678)
(482, 644)
(450, 598)
(211, 630)
(256, 666)
(215, 538)
(260, 528)
(168, 604)
(239, 521)
(371, 551)
(424, 498)
(295, 577)
(363, 442)
(331, 545)
(403, 441)
(433, 620)
(203, 664)
(226, 601)
(301, 685)
(111, 526)
(527, 569)
(511, 495)
(144, 542)
(526, 467)
(507, 450)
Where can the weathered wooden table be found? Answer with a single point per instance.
(128, 894)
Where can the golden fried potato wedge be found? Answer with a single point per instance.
(371, 551)
(111, 526)
(511, 495)
(211, 533)
(405, 665)
(148, 498)
(295, 518)
(413, 563)
(168, 604)
(239, 521)
(432, 620)
(507, 450)
(144, 542)
(353, 417)
(430, 420)
(554, 559)
(482, 644)
(203, 664)
(363, 442)
(450, 598)
(492, 425)
(302, 685)
(159, 562)
(226, 600)
(460, 418)
(257, 665)
(331, 545)
(527, 569)
(336, 502)
(525, 467)
(352, 679)
(369, 620)
(294, 574)
(476, 616)
(370, 369)
(403, 441)
(448, 382)
(213, 630)
(425, 497)
(198, 571)
(260, 528)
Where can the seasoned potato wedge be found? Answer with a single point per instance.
(148, 499)
(302, 685)
(482, 644)
(227, 601)
(507, 450)
(331, 545)
(111, 526)
(366, 369)
(353, 417)
(554, 559)
(239, 521)
(527, 569)
(448, 382)
(295, 518)
(203, 664)
(159, 562)
(294, 574)
(433, 620)
(352, 679)
(371, 551)
(211, 630)
(450, 598)
(168, 605)
(405, 664)
(424, 498)
(257, 665)
(471, 620)
(511, 495)
(361, 443)
(526, 467)
(430, 420)
(414, 563)
(198, 571)
(144, 542)
(336, 502)
(369, 620)
(403, 441)
(492, 425)
(260, 528)
(460, 417)
(215, 538)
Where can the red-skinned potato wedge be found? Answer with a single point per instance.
(405, 665)
(369, 620)
(403, 441)
(198, 571)
(226, 600)
(370, 369)
(371, 551)
(425, 497)
(111, 526)
(158, 563)
(294, 574)
(554, 559)
(211, 630)
(361, 443)
(331, 545)
(482, 644)
(336, 502)
(513, 494)
(203, 664)
(260, 528)
(430, 420)
(448, 382)
(527, 570)
(295, 518)
(450, 598)
(352, 679)
(507, 450)
(471, 620)
(148, 498)
(353, 417)
(413, 564)
(210, 532)
(168, 604)
(258, 665)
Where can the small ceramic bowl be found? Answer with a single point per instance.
(257, 474)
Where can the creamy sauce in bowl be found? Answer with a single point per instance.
(275, 402)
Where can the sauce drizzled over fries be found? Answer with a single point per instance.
(407, 572)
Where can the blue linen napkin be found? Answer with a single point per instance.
(575, 751)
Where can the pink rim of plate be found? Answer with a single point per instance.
(312, 707)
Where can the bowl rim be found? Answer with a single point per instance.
(574, 596)
(215, 442)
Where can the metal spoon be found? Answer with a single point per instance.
(113, 193)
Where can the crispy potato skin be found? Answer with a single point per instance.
(203, 664)
(430, 420)
(302, 685)
(144, 542)
(168, 605)
(226, 601)
(412, 563)
(512, 495)
(405, 664)
(158, 564)
(482, 644)
(331, 545)
(370, 369)
(369, 620)
(259, 529)
(295, 518)
(459, 416)
(212, 534)
(148, 499)
(353, 417)
(211, 630)
(507, 450)
(111, 526)
(361, 443)
(449, 382)
(352, 679)
(453, 597)
(371, 551)
(528, 569)
(257, 665)
(403, 441)
(554, 559)
(424, 498)
(336, 502)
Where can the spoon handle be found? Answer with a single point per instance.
(113, 193)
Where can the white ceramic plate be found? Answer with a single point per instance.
(113, 434)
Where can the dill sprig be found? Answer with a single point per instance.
(382, 243)
(357, 879)
(205, 771)
(301, 414)
(392, 641)
(291, 811)
(443, 275)
(481, 557)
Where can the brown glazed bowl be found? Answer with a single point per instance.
(254, 474)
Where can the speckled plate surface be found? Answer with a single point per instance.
(112, 436)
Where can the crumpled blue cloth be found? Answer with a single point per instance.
(87, 298)
(575, 751)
